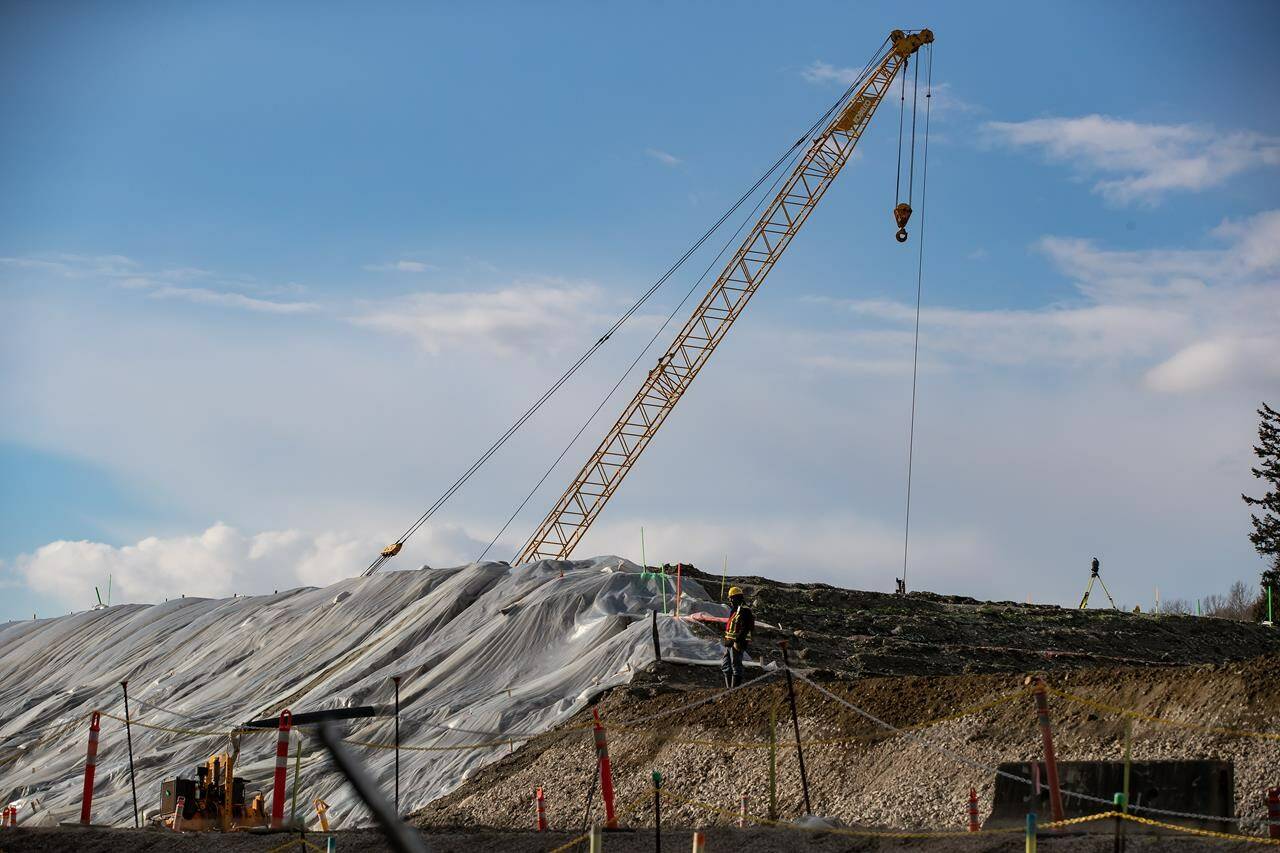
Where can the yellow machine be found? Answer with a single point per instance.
(215, 799)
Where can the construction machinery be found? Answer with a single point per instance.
(215, 800)
(600, 477)
(817, 158)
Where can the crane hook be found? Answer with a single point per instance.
(901, 214)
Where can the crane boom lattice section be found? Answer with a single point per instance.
(618, 452)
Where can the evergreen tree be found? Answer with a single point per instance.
(1266, 522)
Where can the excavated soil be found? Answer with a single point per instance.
(840, 632)
(873, 777)
(738, 840)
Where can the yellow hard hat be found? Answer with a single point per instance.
(735, 590)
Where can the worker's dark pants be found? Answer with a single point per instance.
(731, 664)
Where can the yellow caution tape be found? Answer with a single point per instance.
(1206, 833)
(862, 833)
(576, 840)
(1164, 721)
(188, 732)
(302, 842)
(965, 712)
(460, 746)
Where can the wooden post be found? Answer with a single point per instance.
(795, 723)
(128, 734)
(1050, 759)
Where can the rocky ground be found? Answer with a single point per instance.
(860, 772)
(840, 632)
(738, 840)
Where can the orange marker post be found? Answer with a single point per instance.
(973, 810)
(540, 811)
(90, 767)
(282, 764)
(606, 771)
(1050, 759)
(1273, 812)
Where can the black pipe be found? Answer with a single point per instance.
(317, 717)
(657, 649)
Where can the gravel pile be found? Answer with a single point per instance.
(874, 780)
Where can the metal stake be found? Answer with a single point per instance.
(396, 679)
(128, 733)
(795, 723)
(657, 813)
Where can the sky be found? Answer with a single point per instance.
(271, 277)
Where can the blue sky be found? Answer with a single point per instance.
(270, 277)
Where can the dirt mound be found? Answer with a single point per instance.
(863, 773)
(856, 633)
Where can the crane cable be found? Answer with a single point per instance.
(393, 549)
(648, 346)
(795, 155)
(915, 351)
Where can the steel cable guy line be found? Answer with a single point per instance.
(915, 348)
(568, 374)
(782, 173)
(979, 765)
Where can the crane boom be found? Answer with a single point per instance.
(603, 473)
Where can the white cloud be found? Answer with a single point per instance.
(400, 266)
(167, 283)
(204, 296)
(1179, 321)
(221, 561)
(1140, 162)
(523, 316)
(663, 157)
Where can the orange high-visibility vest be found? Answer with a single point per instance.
(731, 627)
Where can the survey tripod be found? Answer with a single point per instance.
(1094, 576)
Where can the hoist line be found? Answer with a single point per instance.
(568, 374)
(795, 155)
(915, 349)
(648, 346)
(915, 99)
(902, 111)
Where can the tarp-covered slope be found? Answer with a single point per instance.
(484, 651)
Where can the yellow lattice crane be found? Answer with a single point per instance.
(621, 447)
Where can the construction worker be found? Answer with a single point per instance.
(737, 634)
